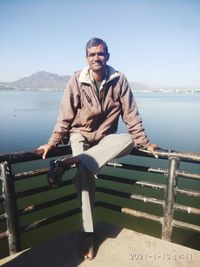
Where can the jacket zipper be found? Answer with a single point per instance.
(100, 101)
(88, 98)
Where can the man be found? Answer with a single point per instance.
(93, 101)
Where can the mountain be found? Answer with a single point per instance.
(39, 80)
(139, 87)
(43, 80)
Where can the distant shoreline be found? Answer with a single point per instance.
(164, 91)
(46, 81)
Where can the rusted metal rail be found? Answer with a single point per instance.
(12, 214)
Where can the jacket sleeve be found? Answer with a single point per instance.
(131, 116)
(67, 113)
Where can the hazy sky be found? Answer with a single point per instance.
(153, 42)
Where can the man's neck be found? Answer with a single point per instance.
(98, 75)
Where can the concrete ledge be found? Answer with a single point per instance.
(115, 247)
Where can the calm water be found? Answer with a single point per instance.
(170, 120)
(27, 119)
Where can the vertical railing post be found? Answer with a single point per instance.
(170, 198)
(10, 208)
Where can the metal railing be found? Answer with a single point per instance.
(10, 195)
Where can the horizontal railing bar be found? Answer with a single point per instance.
(116, 179)
(49, 220)
(37, 190)
(166, 154)
(152, 170)
(189, 210)
(136, 167)
(102, 204)
(4, 235)
(147, 216)
(66, 150)
(140, 214)
(150, 185)
(131, 181)
(158, 171)
(190, 193)
(129, 166)
(127, 211)
(186, 226)
(146, 199)
(47, 204)
(18, 157)
(29, 174)
(129, 196)
(189, 175)
(38, 172)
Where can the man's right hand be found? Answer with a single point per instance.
(46, 148)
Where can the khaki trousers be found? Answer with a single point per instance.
(92, 159)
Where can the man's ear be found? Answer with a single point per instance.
(107, 56)
(86, 59)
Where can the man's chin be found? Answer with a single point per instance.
(97, 67)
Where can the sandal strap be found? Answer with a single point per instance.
(60, 163)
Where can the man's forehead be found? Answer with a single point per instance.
(99, 47)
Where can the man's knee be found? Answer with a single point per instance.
(124, 139)
(125, 144)
(127, 138)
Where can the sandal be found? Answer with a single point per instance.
(87, 247)
(57, 169)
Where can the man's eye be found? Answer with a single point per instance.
(100, 54)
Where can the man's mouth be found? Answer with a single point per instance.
(97, 63)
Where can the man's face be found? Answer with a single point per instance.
(97, 57)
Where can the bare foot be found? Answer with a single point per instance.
(87, 247)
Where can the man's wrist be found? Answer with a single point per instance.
(52, 145)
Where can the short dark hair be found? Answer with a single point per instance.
(95, 42)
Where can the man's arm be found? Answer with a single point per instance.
(132, 119)
(67, 113)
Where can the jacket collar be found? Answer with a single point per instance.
(85, 75)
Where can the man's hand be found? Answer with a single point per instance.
(46, 148)
(152, 149)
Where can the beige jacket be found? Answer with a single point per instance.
(96, 114)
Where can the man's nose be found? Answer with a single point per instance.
(96, 56)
